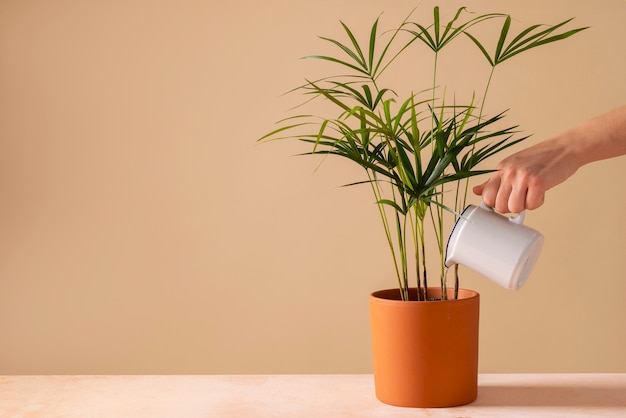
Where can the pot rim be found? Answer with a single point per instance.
(392, 295)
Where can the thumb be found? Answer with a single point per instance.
(478, 190)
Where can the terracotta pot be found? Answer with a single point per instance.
(425, 353)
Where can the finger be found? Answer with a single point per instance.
(478, 190)
(502, 198)
(517, 199)
(534, 199)
(490, 191)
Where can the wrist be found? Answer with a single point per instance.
(574, 147)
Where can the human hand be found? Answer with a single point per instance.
(523, 178)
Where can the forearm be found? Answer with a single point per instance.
(597, 139)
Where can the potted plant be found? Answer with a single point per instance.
(418, 145)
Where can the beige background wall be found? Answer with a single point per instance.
(142, 230)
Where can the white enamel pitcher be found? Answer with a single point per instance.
(498, 247)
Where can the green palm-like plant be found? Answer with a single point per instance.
(416, 150)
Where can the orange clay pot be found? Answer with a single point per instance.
(425, 353)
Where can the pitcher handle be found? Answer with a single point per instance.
(519, 219)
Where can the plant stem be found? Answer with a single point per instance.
(383, 215)
(402, 248)
(460, 207)
(456, 281)
(415, 229)
(438, 226)
(423, 242)
(480, 116)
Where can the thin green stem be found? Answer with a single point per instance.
(401, 227)
(383, 215)
(415, 232)
(442, 261)
(402, 241)
(456, 281)
(437, 223)
(461, 206)
(438, 226)
(423, 245)
(480, 116)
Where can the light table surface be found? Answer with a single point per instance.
(287, 396)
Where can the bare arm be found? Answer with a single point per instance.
(523, 178)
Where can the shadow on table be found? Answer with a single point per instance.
(551, 396)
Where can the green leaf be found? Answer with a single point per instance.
(524, 41)
(368, 96)
(450, 23)
(481, 47)
(360, 58)
(372, 45)
(519, 41)
(436, 24)
(437, 42)
(320, 134)
(520, 37)
(271, 134)
(425, 37)
(338, 61)
(544, 42)
(502, 39)
(392, 204)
